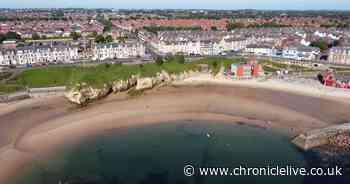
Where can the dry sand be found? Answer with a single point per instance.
(33, 128)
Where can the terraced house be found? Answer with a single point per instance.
(118, 50)
(198, 43)
(38, 55)
(339, 55)
(301, 52)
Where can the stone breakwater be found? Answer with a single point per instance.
(337, 135)
(83, 93)
(341, 141)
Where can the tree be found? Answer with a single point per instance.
(100, 39)
(234, 25)
(12, 36)
(180, 58)
(215, 64)
(107, 25)
(122, 39)
(93, 34)
(75, 35)
(169, 57)
(107, 65)
(9, 36)
(57, 15)
(214, 28)
(108, 39)
(159, 61)
(35, 36)
(321, 44)
(2, 38)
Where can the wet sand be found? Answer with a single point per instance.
(34, 128)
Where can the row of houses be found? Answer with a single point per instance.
(339, 55)
(50, 29)
(31, 55)
(202, 47)
(202, 43)
(298, 52)
(213, 46)
(336, 55)
(115, 51)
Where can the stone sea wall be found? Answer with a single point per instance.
(320, 137)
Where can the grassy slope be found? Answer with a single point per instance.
(10, 88)
(101, 74)
(271, 66)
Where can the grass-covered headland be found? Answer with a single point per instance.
(102, 74)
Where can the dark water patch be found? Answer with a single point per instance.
(328, 157)
(156, 154)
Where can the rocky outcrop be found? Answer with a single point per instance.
(164, 76)
(133, 80)
(341, 140)
(119, 86)
(145, 83)
(124, 85)
(161, 77)
(82, 93)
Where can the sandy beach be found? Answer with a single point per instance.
(32, 129)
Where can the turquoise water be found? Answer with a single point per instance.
(156, 154)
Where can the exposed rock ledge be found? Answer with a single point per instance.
(82, 94)
(316, 138)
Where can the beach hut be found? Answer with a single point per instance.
(233, 69)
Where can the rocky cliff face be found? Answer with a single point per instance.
(124, 85)
(82, 93)
(145, 83)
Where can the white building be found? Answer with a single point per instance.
(204, 47)
(235, 44)
(36, 55)
(185, 47)
(205, 43)
(339, 55)
(118, 50)
(260, 49)
(301, 53)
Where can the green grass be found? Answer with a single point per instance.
(10, 88)
(269, 69)
(102, 74)
(45, 77)
(271, 66)
(4, 75)
(341, 69)
(215, 63)
(275, 64)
